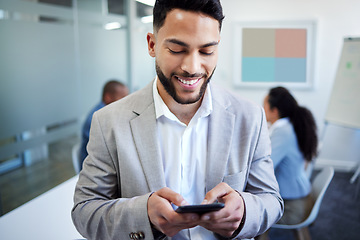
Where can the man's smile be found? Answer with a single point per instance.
(188, 81)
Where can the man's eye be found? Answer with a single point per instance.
(175, 52)
(206, 53)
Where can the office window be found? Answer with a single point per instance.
(116, 7)
(64, 3)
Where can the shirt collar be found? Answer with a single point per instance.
(278, 123)
(162, 110)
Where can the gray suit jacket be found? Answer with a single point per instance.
(124, 166)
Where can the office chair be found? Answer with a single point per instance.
(310, 168)
(319, 187)
(75, 152)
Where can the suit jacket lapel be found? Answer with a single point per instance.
(145, 138)
(221, 127)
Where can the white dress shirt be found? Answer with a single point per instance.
(184, 151)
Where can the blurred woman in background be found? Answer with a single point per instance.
(294, 143)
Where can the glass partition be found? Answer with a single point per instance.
(56, 56)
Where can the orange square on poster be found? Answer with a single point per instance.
(290, 43)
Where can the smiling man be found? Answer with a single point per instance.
(181, 140)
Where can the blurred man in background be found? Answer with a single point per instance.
(113, 90)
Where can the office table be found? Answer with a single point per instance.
(45, 217)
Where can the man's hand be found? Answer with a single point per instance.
(162, 215)
(227, 220)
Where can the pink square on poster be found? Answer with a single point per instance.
(290, 43)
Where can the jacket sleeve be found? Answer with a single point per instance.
(263, 203)
(99, 211)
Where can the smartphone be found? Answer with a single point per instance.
(201, 208)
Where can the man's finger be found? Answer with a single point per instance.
(218, 191)
(171, 196)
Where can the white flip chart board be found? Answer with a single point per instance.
(344, 105)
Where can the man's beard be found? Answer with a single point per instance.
(170, 88)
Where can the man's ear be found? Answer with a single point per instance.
(150, 37)
(107, 98)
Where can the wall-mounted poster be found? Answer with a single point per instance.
(274, 53)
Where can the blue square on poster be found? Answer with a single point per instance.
(291, 70)
(258, 69)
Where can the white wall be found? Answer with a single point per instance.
(335, 20)
(144, 64)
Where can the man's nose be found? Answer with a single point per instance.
(191, 63)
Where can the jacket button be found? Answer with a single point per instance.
(137, 236)
(133, 236)
(141, 235)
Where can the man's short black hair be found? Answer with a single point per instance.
(211, 8)
(110, 87)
